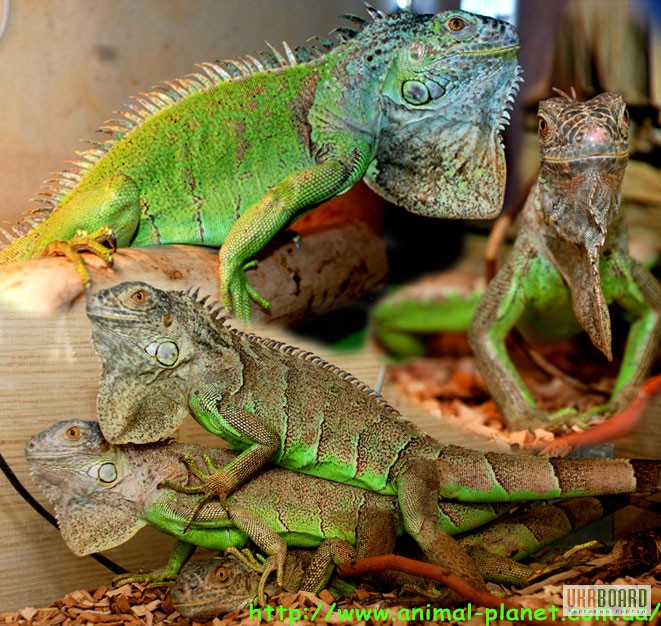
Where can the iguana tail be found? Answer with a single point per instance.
(472, 476)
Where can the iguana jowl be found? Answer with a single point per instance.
(570, 259)
(103, 494)
(231, 155)
(165, 355)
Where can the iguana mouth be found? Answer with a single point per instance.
(591, 156)
(103, 314)
(507, 50)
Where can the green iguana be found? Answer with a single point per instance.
(165, 354)
(569, 262)
(211, 587)
(103, 494)
(231, 155)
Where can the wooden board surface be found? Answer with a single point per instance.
(49, 372)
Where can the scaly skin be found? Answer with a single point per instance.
(570, 259)
(165, 354)
(103, 494)
(412, 103)
(211, 587)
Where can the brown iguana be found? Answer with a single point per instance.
(165, 355)
(570, 259)
(412, 103)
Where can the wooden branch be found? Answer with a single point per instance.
(327, 269)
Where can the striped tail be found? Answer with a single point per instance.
(471, 476)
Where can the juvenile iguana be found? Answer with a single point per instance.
(165, 355)
(412, 103)
(211, 587)
(569, 262)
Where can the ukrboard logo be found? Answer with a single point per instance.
(607, 600)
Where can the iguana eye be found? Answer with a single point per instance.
(221, 574)
(73, 433)
(456, 24)
(542, 126)
(139, 296)
(625, 115)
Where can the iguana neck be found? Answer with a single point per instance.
(577, 217)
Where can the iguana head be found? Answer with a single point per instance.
(79, 472)
(143, 337)
(445, 100)
(211, 587)
(584, 150)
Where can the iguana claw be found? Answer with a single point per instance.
(153, 578)
(213, 485)
(237, 293)
(101, 242)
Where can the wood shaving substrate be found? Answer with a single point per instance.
(134, 605)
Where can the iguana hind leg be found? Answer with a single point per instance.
(99, 218)
(417, 492)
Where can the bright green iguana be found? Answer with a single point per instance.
(570, 261)
(211, 587)
(165, 355)
(412, 103)
(103, 494)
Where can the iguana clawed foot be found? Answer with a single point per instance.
(569, 418)
(213, 485)
(101, 242)
(264, 566)
(163, 576)
(236, 292)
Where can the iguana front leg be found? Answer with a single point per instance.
(237, 426)
(267, 540)
(500, 309)
(281, 205)
(163, 575)
(641, 296)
